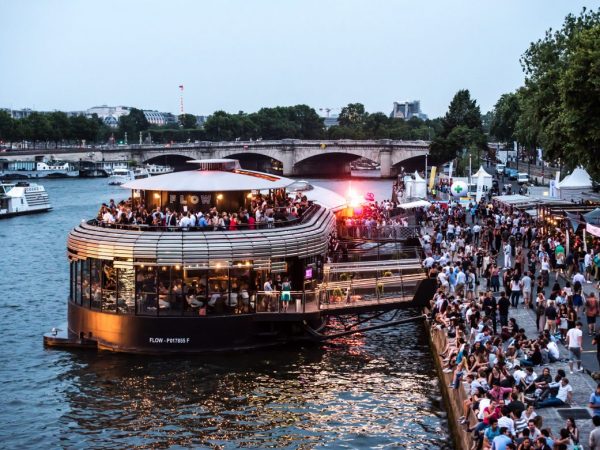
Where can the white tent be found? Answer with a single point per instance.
(415, 204)
(573, 185)
(415, 186)
(486, 179)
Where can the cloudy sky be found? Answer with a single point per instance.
(245, 54)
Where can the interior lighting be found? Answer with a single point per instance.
(177, 267)
(249, 195)
(219, 196)
(156, 195)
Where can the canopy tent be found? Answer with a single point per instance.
(482, 173)
(415, 204)
(572, 186)
(415, 186)
(593, 217)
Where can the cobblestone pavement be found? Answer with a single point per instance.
(582, 383)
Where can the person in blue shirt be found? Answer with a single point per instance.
(502, 440)
(594, 402)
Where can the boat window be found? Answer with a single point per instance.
(166, 300)
(240, 281)
(126, 289)
(77, 279)
(95, 275)
(109, 287)
(145, 286)
(195, 291)
(85, 283)
(218, 290)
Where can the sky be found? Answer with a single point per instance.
(241, 55)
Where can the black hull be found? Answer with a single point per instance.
(23, 213)
(164, 335)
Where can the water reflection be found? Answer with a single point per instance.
(373, 391)
(374, 394)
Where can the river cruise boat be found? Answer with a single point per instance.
(22, 198)
(37, 169)
(250, 270)
(155, 169)
(121, 175)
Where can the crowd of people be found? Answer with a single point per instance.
(489, 260)
(264, 211)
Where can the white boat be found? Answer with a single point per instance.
(155, 169)
(22, 198)
(37, 169)
(123, 175)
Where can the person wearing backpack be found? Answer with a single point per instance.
(591, 312)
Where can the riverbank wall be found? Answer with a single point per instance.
(453, 398)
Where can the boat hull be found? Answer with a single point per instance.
(164, 335)
(22, 213)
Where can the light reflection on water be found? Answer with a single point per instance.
(369, 391)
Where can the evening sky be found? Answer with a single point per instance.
(245, 54)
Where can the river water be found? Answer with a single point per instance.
(373, 391)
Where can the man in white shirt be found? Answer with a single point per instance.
(578, 277)
(553, 352)
(505, 421)
(563, 398)
(507, 256)
(428, 262)
(574, 343)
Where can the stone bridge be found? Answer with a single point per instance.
(293, 157)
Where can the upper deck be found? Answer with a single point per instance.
(172, 245)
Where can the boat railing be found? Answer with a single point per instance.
(393, 232)
(356, 292)
(210, 228)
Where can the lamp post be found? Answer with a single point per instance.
(470, 172)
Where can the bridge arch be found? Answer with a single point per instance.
(177, 161)
(410, 164)
(259, 162)
(328, 163)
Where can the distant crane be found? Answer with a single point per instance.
(328, 110)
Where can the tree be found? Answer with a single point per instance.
(59, 122)
(352, 116)
(7, 127)
(561, 92)
(506, 114)
(39, 128)
(580, 95)
(133, 123)
(461, 129)
(187, 121)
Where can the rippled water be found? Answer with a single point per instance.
(374, 391)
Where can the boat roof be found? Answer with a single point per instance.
(212, 176)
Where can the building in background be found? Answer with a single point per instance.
(406, 110)
(109, 114)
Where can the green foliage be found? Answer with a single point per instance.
(352, 116)
(187, 121)
(559, 106)
(133, 123)
(461, 130)
(506, 114)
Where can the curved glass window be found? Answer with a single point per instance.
(96, 287)
(109, 287)
(126, 291)
(146, 290)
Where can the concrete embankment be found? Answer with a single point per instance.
(453, 398)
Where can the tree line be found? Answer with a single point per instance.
(558, 107)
